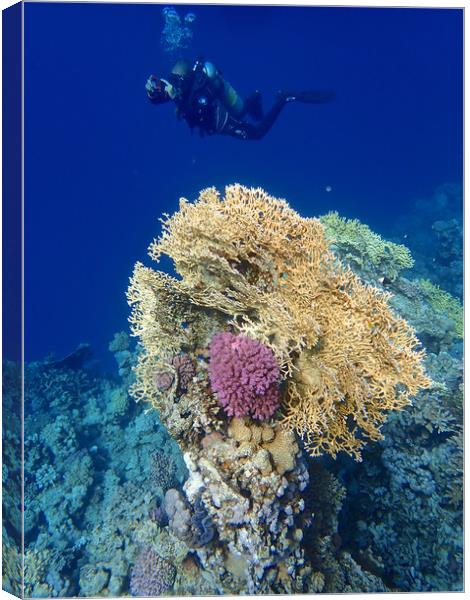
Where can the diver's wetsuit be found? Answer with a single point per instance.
(207, 102)
(225, 123)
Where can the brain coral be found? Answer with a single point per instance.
(245, 375)
(252, 262)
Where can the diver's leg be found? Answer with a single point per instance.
(248, 131)
(253, 106)
(240, 130)
(262, 128)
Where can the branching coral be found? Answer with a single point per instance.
(364, 248)
(245, 375)
(167, 325)
(151, 575)
(163, 473)
(266, 272)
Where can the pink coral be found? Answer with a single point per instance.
(185, 370)
(244, 374)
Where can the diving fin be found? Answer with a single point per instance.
(310, 96)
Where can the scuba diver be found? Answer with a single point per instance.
(205, 100)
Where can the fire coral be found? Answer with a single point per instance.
(252, 263)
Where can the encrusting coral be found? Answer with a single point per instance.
(250, 264)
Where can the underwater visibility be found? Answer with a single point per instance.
(283, 410)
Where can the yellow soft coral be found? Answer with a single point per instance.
(269, 273)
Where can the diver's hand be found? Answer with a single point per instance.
(151, 86)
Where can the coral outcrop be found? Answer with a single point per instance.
(251, 490)
(247, 510)
(268, 318)
(250, 263)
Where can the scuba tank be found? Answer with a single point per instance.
(205, 95)
(209, 78)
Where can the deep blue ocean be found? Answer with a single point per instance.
(102, 163)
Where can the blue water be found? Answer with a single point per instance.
(102, 163)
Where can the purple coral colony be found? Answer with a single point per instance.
(244, 375)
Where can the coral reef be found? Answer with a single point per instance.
(437, 331)
(267, 273)
(407, 493)
(442, 302)
(88, 482)
(264, 311)
(121, 499)
(11, 478)
(244, 375)
(433, 229)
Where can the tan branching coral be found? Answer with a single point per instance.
(167, 324)
(250, 263)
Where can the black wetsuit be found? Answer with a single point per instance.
(202, 103)
(226, 124)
